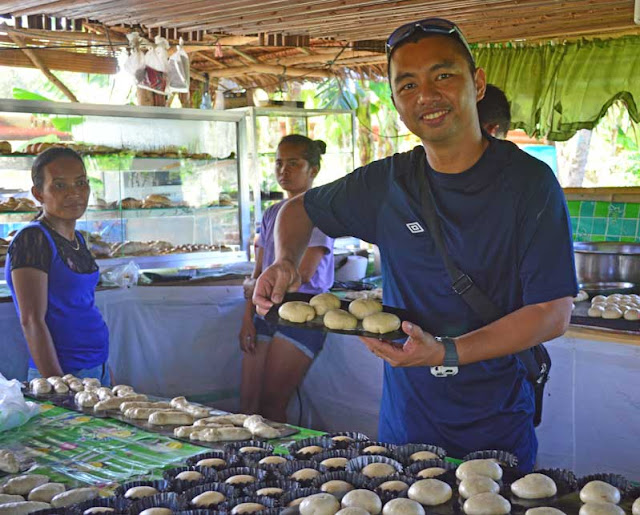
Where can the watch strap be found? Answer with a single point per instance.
(450, 352)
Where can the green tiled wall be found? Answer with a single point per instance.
(604, 221)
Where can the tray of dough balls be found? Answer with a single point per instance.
(177, 417)
(346, 471)
(620, 312)
(327, 312)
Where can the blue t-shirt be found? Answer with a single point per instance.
(505, 223)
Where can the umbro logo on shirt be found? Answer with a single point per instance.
(415, 227)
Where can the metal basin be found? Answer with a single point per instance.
(607, 261)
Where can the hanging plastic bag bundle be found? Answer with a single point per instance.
(155, 67)
(134, 64)
(178, 73)
(14, 410)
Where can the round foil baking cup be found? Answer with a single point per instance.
(294, 448)
(357, 464)
(227, 490)
(289, 497)
(234, 447)
(617, 480)
(387, 495)
(118, 503)
(504, 458)
(162, 485)
(354, 478)
(283, 484)
(403, 452)
(267, 502)
(356, 437)
(285, 471)
(361, 446)
(225, 474)
(413, 469)
(193, 460)
(169, 500)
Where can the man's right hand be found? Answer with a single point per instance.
(282, 276)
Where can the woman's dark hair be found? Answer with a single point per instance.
(49, 156)
(313, 149)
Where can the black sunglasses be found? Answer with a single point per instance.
(429, 26)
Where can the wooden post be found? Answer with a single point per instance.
(42, 67)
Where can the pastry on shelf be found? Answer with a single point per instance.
(5, 147)
(130, 203)
(99, 203)
(225, 200)
(156, 200)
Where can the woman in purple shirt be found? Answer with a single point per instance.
(276, 358)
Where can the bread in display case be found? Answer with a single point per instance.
(165, 183)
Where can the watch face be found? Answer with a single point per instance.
(444, 371)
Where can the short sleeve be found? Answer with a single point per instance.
(349, 206)
(545, 249)
(30, 249)
(320, 239)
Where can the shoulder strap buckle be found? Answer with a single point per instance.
(462, 284)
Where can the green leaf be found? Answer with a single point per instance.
(23, 94)
(65, 123)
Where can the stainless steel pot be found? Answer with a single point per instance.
(607, 261)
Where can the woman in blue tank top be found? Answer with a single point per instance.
(52, 275)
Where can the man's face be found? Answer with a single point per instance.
(434, 91)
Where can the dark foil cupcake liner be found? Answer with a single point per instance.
(617, 480)
(227, 490)
(162, 485)
(120, 504)
(291, 510)
(566, 484)
(289, 497)
(250, 461)
(403, 452)
(504, 458)
(54, 511)
(193, 460)
(566, 481)
(320, 441)
(202, 512)
(387, 495)
(338, 453)
(354, 478)
(169, 500)
(286, 470)
(209, 475)
(284, 484)
(259, 474)
(414, 469)
(338, 444)
(357, 464)
(267, 502)
(389, 453)
(234, 447)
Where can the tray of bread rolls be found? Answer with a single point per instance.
(620, 312)
(328, 313)
(177, 417)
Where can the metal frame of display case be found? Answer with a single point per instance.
(173, 260)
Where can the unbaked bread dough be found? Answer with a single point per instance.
(208, 499)
(337, 486)
(138, 492)
(596, 311)
(582, 296)
(247, 507)
(157, 511)
(635, 508)
(270, 491)
(8, 462)
(481, 467)
(632, 314)
(86, 399)
(339, 319)
(534, 486)
(74, 496)
(215, 463)
(376, 449)
(381, 323)
(310, 449)
(324, 302)
(75, 385)
(22, 485)
(474, 485)
(60, 386)
(361, 308)
(23, 507)
(393, 486)
(175, 418)
(240, 479)
(423, 455)
(96, 510)
(306, 474)
(612, 313)
(487, 504)
(600, 508)
(46, 492)
(431, 472)
(342, 439)
(430, 492)
(319, 504)
(297, 311)
(353, 510)
(378, 470)
(544, 510)
(335, 463)
(40, 386)
(599, 491)
(403, 507)
(189, 475)
(7, 498)
(364, 499)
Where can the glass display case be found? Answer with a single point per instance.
(167, 187)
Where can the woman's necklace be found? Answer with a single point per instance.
(71, 244)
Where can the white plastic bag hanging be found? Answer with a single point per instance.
(134, 64)
(178, 74)
(155, 67)
(14, 410)
(123, 276)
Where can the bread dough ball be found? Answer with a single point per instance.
(534, 486)
(598, 298)
(474, 485)
(582, 296)
(270, 491)
(430, 492)
(423, 455)
(86, 399)
(336, 486)
(612, 313)
(189, 475)
(393, 486)
(9, 498)
(215, 463)
(431, 472)
(324, 302)
(240, 479)
(381, 323)
(157, 511)
(378, 470)
(249, 449)
(46, 492)
(248, 507)
(297, 311)
(138, 492)
(342, 439)
(310, 449)
(635, 509)
(305, 474)
(98, 509)
(208, 499)
(272, 460)
(335, 463)
(487, 468)
(599, 491)
(487, 504)
(361, 308)
(596, 311)
(354, 510)
(339, 319)
(600, 508)
(376, 449)
(544, 510)
(632, 314)
(22, 485)
(319, 504)
(40, 386)
(403, 507)
(364, 499)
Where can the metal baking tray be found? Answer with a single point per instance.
(580, 317)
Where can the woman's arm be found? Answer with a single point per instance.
(30, 285)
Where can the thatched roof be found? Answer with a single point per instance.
(265, 42)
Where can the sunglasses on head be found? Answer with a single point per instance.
(428, 26)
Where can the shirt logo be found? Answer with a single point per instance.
(415, 227)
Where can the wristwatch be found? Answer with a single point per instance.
(450, 364)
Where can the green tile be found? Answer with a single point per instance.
(614, 228)
(574, 225)
(616, 209)
(612, 238)
(628, 239)
(574, 207)
(599, 226)
(597, 238)
(587, 207)
(585, 226)
(629, 227)
(602, 209)
(632, 211)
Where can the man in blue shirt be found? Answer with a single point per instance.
(505, 224)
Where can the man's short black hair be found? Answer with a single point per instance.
(494, 111)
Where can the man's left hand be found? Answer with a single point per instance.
(420, 350)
